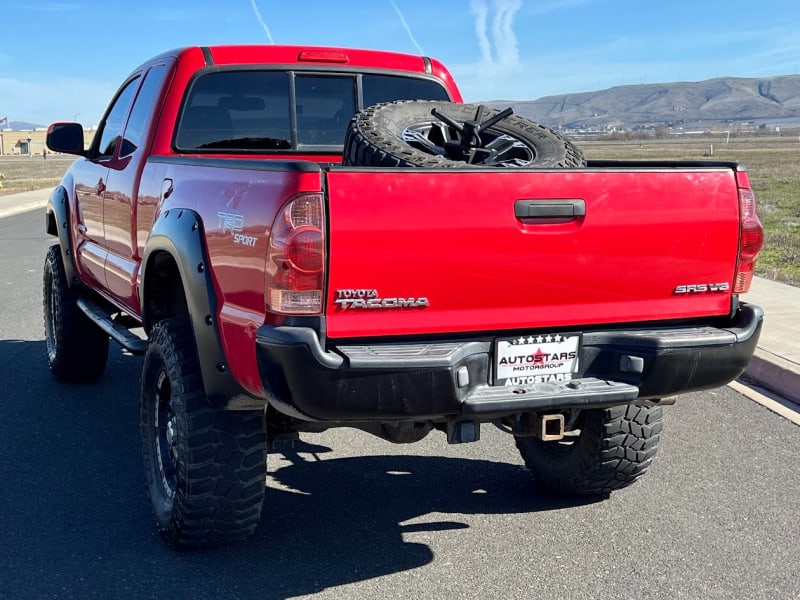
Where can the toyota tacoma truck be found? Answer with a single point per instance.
(300, 238)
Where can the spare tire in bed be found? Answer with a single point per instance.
(424, 133)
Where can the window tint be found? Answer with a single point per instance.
(142, 109)
(239, 110)
(324, 107)
(112, 127)
(250, 111)
(387, 88)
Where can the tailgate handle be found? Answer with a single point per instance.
(549, 209)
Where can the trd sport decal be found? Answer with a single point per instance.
(234, 224)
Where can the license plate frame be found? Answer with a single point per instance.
(536, 358)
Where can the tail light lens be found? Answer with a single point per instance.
(751, 238)
(296, 258)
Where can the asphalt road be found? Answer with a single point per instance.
(350, 516)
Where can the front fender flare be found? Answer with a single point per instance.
(57, 224)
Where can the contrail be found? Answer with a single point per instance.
(505, 41)
(481, 12)
(405, 24)
(261, 20)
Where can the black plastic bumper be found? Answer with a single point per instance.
(420, 381)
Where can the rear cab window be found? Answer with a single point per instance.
(262, 111)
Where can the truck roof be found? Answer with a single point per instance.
(313, 57)
(224, 55)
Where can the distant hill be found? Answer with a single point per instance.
(770, 101)
(21, 126)
(714, 103)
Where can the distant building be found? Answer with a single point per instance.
(30, 141)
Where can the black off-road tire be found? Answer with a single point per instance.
(615, 447)
(77, 349)
(206, 477)
(375, 137)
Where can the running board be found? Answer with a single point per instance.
(117, 332)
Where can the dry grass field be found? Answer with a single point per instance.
(773, 164)
(25, 173)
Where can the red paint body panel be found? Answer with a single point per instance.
(453, 239)
(237, 270)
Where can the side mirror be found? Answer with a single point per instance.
(66, 137)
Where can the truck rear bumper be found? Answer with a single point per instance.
(452, 379)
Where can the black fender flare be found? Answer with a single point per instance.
(179, 233)
(57, 224)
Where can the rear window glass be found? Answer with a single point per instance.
(262, 111)
(387, 88)
(324, 106)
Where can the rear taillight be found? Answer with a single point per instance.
(751, 238)
(296, 258)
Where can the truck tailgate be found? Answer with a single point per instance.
(434, 252)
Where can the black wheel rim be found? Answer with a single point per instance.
(165, 439)
(473, 141)
(496, 149)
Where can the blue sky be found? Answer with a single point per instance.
(65, 58)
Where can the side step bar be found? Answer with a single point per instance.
(119, 333)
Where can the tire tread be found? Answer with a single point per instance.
(222, 454)
(616, 447)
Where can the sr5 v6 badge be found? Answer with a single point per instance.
(702, 288)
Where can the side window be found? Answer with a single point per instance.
(236, 110)
(115, 119)
(142, 109)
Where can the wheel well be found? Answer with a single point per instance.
(164, 296)
(52, 226)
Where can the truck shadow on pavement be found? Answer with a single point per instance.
(76, 521)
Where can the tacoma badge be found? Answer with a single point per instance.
(370, 299)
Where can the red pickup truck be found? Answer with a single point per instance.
(299, 238)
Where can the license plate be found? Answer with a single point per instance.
(540, 358)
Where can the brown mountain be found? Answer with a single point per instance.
(766, 100)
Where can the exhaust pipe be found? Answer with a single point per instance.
(551, 428)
